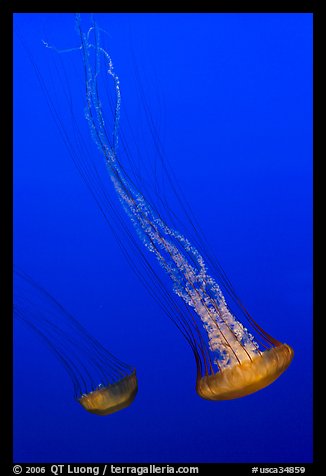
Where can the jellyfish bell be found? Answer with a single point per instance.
(110, 399)
(246, 377)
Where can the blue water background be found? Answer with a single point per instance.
(231, 97)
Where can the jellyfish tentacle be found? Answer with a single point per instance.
(180, 259)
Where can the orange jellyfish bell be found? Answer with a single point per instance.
(246, 377)
(106, 400)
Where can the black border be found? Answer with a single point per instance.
(7, 9)
(6, 188)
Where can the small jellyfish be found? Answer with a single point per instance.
(102, 383)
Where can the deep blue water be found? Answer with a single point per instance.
(231, 99)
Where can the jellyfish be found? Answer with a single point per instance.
(102, 383)
(232, 359)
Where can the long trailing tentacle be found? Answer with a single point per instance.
(227, 337)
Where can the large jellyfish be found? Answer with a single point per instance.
(232, 360)
(102, 383)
